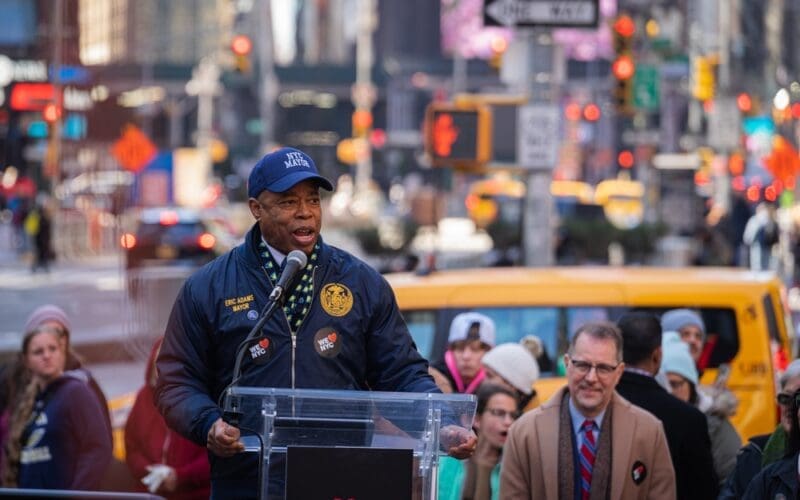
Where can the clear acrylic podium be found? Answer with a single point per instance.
(338, 418)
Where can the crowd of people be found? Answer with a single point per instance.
(632, 421)
(653, 431)
(638, 422)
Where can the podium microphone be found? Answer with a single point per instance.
(295, 261)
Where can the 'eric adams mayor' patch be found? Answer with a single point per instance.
(336, 299)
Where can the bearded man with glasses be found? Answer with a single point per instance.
(587, 442)
(780, 479)
(765, 449)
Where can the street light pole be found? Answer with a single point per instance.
(268, 81)
(53, 156)
(543, 77)
(207, 77)
(364, 59)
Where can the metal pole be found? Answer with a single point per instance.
(268, 81)
(53, 157)
(208, 77)
(364, 59)
(695, 113)
(459, 73)
(722, 180)
(537, 236)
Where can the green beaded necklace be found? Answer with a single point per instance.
(299, 300)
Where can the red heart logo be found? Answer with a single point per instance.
(264, 343)
(332, 337)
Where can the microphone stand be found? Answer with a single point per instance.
(231, 410)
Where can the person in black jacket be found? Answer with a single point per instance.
(685, 426)
(780, 479)
(765, 449)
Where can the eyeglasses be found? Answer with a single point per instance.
(784, 399)
(787, 399)
(584, 367)
(500, 413)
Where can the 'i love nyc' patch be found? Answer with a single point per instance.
(327, 342)
(260, 350)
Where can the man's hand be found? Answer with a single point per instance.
(223, 439)
(458, 441)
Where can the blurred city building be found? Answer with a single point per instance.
(112, 105)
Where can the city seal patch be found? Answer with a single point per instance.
(336, 299)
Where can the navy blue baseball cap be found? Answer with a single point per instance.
(280, 170)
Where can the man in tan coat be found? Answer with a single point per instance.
(587, 442)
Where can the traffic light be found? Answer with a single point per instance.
(499, 45)
(626, 159)
(624, 66)
(352, 150)
(51, 112)
(744, 102)
(702, 79)
(458, 136)
(362, 122)
(242, 46)
(591, 112)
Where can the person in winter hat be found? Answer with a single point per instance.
(116, 477)
(472, 335)
(690, 326)
(50, 315)
(715, 403)
(512, 366)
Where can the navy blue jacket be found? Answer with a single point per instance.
(748, 464)
(777, 480)
(353, 305)
(67, 444)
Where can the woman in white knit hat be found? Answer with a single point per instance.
(513, 366)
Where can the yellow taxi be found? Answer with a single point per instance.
(748, 330)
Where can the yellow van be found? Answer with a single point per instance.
(743, 312)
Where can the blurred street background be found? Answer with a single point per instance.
(458, 133)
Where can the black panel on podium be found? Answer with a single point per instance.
(345, 472)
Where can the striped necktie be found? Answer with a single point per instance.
(587, 452)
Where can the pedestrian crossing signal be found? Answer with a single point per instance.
(458, 136)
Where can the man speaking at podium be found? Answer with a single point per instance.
(339, 327)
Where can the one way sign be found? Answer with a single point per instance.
(564, 13)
